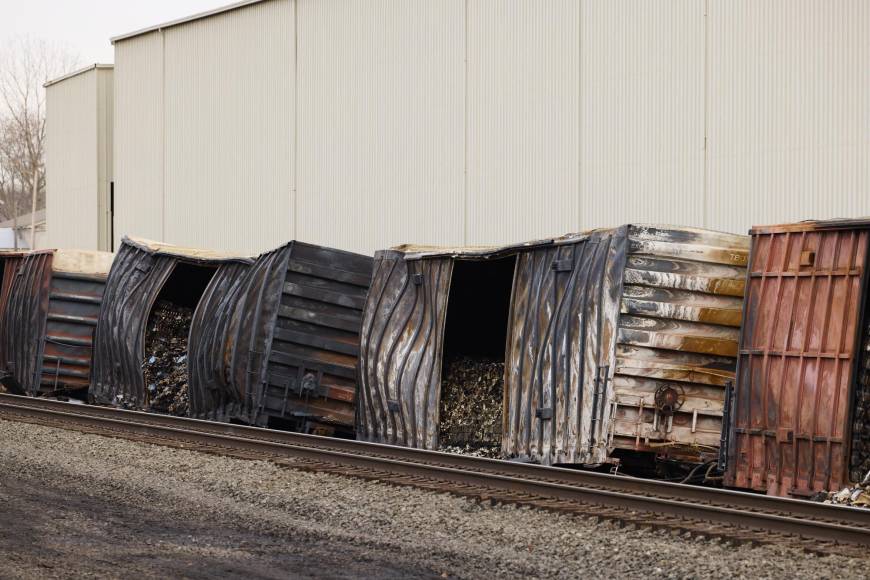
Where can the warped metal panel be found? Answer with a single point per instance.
(523, 138)
(48, 324)
(10, 261)
(287, 354)
(380, 122)
(213, 339)
(562, 330)
(798, 354)
(73, 307)
(618, 339)
(680, 312)
(140, 271)
(401, 350)
(788, 118)
(138, 138)
(642, 79)
(25, 320)
(226, 141)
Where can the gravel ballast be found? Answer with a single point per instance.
(77, 504)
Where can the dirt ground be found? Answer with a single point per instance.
(54, 532)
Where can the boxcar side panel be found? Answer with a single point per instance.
(401, 351)
(796, 360)
(561, 331)
(680, 313)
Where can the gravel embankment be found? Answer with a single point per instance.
(76, 504)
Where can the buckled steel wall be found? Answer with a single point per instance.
(25, 320)
(401, 350)
(799, 347)
(290, 351)
(599, 323)
(137, 276)
(11, 263)
(680, 312)
(48, 326)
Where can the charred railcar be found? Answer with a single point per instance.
(279, 346)
(143, 273)
(801, 408)
(49, 319)
(621, 339)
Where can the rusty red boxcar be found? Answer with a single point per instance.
(800, 410)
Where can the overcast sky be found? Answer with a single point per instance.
(85, 26)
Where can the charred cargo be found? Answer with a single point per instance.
(611, 340)
(49, 319)
(279, 346)
(800, 421)
(151, 294)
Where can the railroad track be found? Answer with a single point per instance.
(744, 517)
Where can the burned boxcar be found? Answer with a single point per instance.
(49, 319)
(612, 340)
(279, 346)
(9, 263)
(801, 407)
(151, 294)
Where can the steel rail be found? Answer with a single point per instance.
(823, 522)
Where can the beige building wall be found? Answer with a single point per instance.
(139, 144)
(79, 160)
(380, 113)
(789, 111)
(361, 124)
(523, 137)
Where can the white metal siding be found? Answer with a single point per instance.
(105, 167)
(72, 163)
(523, 119)
(381, 122)
(139, 138)
(227, 164)
(789, 116)
(366, 123)
(642, 112)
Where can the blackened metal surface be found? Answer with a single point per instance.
(401, 350)
(680, 312)
(73, 308)
(48, 324)
(213, 337)
(11, 262)
(621, 338)
(138, 274)
(562, 330)
(289, 352)
(24, 322)
(798, 355)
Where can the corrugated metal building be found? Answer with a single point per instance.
(363, 124)
(79, 159)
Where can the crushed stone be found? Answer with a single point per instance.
(412, 529)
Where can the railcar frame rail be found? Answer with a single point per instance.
(741, 516)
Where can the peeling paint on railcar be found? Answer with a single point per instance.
(286, 350)
(600, 323)
(49, 320)
(795, 392)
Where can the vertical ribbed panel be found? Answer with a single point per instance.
(642, 112)
(380, 122)
(72, 162)
(523, 119)
(229, 86)
(789, 116)
(105, 158)
(139, 137)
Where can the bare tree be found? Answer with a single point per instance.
(26, 64)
